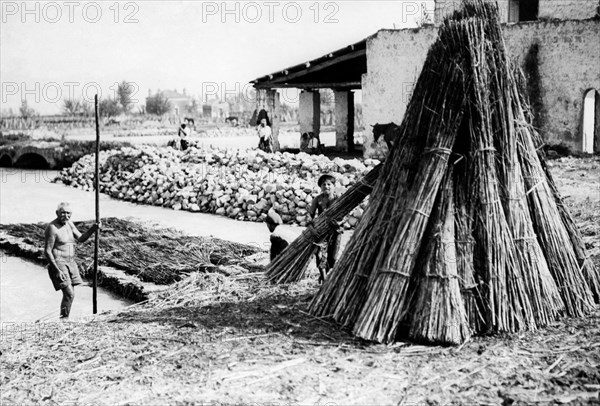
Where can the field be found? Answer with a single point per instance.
(211, 339)
(218, 135)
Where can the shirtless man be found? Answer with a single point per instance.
(61, 236)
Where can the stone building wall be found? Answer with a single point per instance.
(568, 9)
(547, 9)
(568, 57)
(444, 8)
(562, 59)
(394, 61)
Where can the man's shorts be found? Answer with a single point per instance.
(70, 273)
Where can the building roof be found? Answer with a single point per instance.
(338, 69)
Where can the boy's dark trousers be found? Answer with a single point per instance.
(327, 253)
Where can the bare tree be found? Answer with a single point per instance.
(72, 107)
(125, 95)
(25, 110)
(86, 108)
(109, 107)
(158, 104)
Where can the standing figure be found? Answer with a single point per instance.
(60, 238)
(265, 136)
(184, 133)
(328, 249)
(191, 124)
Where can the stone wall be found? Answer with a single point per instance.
(547, 9)
(444, 8)
(568, 9)
(565, 56)
(394, 61)
(569, 65)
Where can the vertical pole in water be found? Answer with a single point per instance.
(97, 190)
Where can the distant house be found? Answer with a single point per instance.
(180, 102)
(215, 109)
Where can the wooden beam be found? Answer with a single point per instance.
(362, 45)
(315, 68)
(309, 85)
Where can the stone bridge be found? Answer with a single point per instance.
(38, 155)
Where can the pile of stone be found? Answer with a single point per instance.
(240, 184)
(143, 132)
(223, 131)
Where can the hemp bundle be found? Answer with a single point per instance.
(291, 264)
(465, 231)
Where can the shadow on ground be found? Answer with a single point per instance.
(285, 314)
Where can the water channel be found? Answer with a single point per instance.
(30, 196)
(26, 294)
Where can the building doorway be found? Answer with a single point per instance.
(590, 127)
(522, 10)
(528, 10)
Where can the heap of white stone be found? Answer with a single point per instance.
(240, 184)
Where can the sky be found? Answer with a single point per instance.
(53, 51)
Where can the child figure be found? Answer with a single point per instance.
(328, 248)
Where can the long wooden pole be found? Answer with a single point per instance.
(97, 190)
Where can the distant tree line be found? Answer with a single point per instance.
(158, 104)
(121, 103)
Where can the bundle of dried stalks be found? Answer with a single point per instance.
(463, 226)
(548, 223)
(515, 267)
(590, 272)
(291, 264)
(438, 312)
(494, 256)
(532, 275)
(344, 292)
(387, 302)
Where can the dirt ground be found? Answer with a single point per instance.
(217, 340)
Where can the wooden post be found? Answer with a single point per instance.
(97, 190)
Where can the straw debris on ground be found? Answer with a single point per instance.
(211, 338)
(239, 340)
